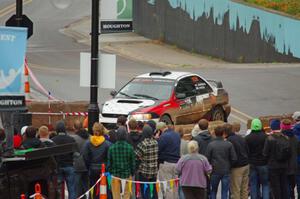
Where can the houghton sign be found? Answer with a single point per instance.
(116, 26)
(11, 102)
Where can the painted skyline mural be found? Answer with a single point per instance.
(283, 30)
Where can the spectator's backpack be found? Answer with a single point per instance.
(283, 148)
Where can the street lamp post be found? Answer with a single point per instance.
(19, 12)
(93, 108)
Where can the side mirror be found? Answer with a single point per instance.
(113, 93)
(180, 95)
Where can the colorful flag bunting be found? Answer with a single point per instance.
(145, 188)
(130, 187)
(151, 191)
(137, 190)
(171, 184)
(123, 183)
(157, 187)
(92, 192)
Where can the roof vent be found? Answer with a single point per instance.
(160, 73)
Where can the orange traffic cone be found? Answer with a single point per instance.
(38, 191)
(26, 81)
(103, 184)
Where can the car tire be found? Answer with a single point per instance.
(166, 119)
(218, 114)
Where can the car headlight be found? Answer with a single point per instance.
(139, 117)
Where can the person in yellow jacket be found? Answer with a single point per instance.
(95, 152)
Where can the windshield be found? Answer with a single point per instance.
(155, 89)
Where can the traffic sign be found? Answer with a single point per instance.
(24, 22)
(116, 26)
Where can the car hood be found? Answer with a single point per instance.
(125, 106)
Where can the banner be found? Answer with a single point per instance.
(124, 9)
(13, 43)
(116, 10)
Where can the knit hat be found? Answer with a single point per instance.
(60, 127)
(152, 124)
(161, 125)
(296, 116)
(275, 124)
(147, 132)
(256, 125)
(286, 124)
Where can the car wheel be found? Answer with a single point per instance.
(166, 119)
(218, 114)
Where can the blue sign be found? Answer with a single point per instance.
(13, 43)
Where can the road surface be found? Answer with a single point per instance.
(54, 59)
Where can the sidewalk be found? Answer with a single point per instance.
(139, 48)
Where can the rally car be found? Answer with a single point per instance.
(172, 97)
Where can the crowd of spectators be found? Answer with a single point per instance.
(261, 164)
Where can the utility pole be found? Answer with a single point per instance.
(19, 12)
(93, 108)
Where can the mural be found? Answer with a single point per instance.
(219, 21)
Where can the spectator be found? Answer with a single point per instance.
(17, 139)
(195, 131)
(31, 140)
(81, 172)
(147, 153)
(95, 152)
(220, 154)
(236, 127)
(134, 137)
(121, 163)
(183, 143)
(193, 169)
(140, 126)
(258, 162)
(81, 134)
(296, 131)
(286, 126)
(44, 136)
(2, 142)
(203, 137)
(23, 129)
(239, 173)
(66, 170)
(152, 124)
(168, 155)
(121, 121)
(277, 150)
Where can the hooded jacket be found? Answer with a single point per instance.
(255, 143)
(32, 143)
(203, 139)
(95, 152)
(241, 149)
(296, 131)
(65, 160)
(134, 138)
(292, 163)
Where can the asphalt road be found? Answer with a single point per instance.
(55, 61)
